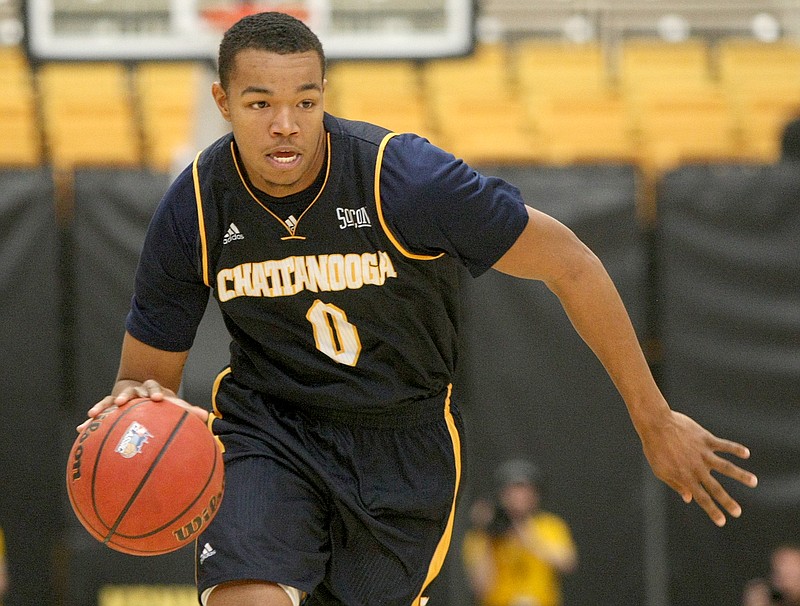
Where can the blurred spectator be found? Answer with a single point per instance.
(782, 588)
(515, 553)
(790, 141)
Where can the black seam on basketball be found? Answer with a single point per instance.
(180, 515)
(154, 464)
(99, 456)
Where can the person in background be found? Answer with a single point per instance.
(782, 588)
(516, 553)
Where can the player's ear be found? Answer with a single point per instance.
(221, 99)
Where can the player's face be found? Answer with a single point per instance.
(274, 105)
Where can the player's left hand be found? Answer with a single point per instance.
(683, 455)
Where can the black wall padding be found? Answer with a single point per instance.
(112, 211)
(532, 388)
(30, 386)
(729, 258)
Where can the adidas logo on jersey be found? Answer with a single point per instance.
(232, 234)
(207, 552)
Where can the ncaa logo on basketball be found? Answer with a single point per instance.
(134, 439)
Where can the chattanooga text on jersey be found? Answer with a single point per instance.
(317, 273)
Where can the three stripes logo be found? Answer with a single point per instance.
(232, 234)
(207, 552)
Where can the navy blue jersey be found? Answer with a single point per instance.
(343, 297)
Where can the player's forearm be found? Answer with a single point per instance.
(597, 312)
(140, 362)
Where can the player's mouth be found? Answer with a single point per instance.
(284, 159)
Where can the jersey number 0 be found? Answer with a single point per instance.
(334, 335)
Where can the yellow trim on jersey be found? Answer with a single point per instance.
(201, 224)
(377, 188)
(437, 561)
(291, 230)
(215, 413)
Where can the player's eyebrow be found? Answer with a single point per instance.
(268, 91)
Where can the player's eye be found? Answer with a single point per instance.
(259, 105)
(307, 104)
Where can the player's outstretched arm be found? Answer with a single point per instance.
(681, 453)
(145, 372)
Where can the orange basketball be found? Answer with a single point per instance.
(145, 478)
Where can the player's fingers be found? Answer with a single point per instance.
(735, 472)
(704, 500)
(199, 412)
(734, 448)
(95, 410)
(721, 496)
(152, 389)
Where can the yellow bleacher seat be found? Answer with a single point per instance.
(762, 114)
(21, 138)
(763, 82)
(485, 130)
(546, 67)
(485, 73)
(101, 132)
(654, 63)
(373, 76)
(684, 128)
(497, 146)
(167, 98)
(591, 128)
(108, 145)
(81, 79)
(747, 62)
(395, 112)
(13, 58)
(387, 93)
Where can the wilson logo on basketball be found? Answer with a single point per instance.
(194, 526)
(78, 451)
(134, 439)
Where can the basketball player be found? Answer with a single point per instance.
(332, 248)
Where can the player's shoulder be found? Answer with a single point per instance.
(407, 146)
(356, 130)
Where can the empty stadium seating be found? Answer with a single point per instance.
(167, 95)
(592, 127)
(387, 93)
(18, 116)
(89, 114)
(652, 64)
(544, 67)
(536, 99)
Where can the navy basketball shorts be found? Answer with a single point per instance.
(353, 509)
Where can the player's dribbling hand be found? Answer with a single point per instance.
(683, 455)
(130, 390)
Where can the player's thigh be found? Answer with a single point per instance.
(271, 525)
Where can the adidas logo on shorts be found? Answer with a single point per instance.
(207, 552)
(232, 234)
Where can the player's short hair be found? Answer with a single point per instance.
(268, 31)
